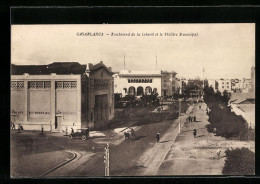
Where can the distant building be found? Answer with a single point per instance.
(223, 84)
(169, 83)
(241, 85)
(252, 79)
(60, 95)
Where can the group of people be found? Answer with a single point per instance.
(20, 127)
(192, 119)
(130, 134)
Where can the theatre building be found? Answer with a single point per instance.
(61, 95)
(137, 83)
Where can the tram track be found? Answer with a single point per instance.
(60, 165)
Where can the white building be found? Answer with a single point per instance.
(136, 83)
(243, 85)
(223, 84)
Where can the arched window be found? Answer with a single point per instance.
(140, 91)
(131, 90)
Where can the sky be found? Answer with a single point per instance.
(223, 50)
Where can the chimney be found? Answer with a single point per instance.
(101, 62)
(110, 68)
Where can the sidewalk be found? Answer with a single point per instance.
(152, 158)
(198, 156)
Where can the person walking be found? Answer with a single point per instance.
(157, 137)
(12, 125)
(194, 132)
(194, 118)
(72, 130)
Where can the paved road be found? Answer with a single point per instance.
(127, 158)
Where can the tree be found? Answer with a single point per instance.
(239, 162)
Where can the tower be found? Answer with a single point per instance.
(253, 79)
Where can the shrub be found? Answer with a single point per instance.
(239, 162)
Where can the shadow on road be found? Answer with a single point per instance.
(200, 136)
(139, 137)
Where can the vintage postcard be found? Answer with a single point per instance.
(93, 100)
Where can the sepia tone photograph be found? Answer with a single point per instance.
(104, 100)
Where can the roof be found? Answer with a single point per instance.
(247, 101)
(139, 73)
(61, 68)
(98, 66)
(240, 97)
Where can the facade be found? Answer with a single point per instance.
(242, 85)
(223, 84)
(212, 83)
(169, 83)
(61, 95)
(136, 83)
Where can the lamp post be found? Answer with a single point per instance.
(106, 157)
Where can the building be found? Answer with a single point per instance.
(252, 79)
(241, 85)
(136, 83)
(61, 95)
(169, 83)
(244, 104)
(223, 84)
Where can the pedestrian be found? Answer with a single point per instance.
(157, 137)
(12, 125)
(200, 107)
(194, 132)
(218, 153)
(72, 131)
(190, 119)
(194, 118)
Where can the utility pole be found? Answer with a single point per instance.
(179, 115)
(106, 161)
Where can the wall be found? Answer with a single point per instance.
(41, 102)
(101, 83)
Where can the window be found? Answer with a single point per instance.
(17, 85)
(39, 84)
(164, 85)
(227, 86)
(164, 80)
(222, 82)
(227, 82)
(66, 84)
(222, 87)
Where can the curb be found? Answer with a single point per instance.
(182, 124)
(62, 164)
